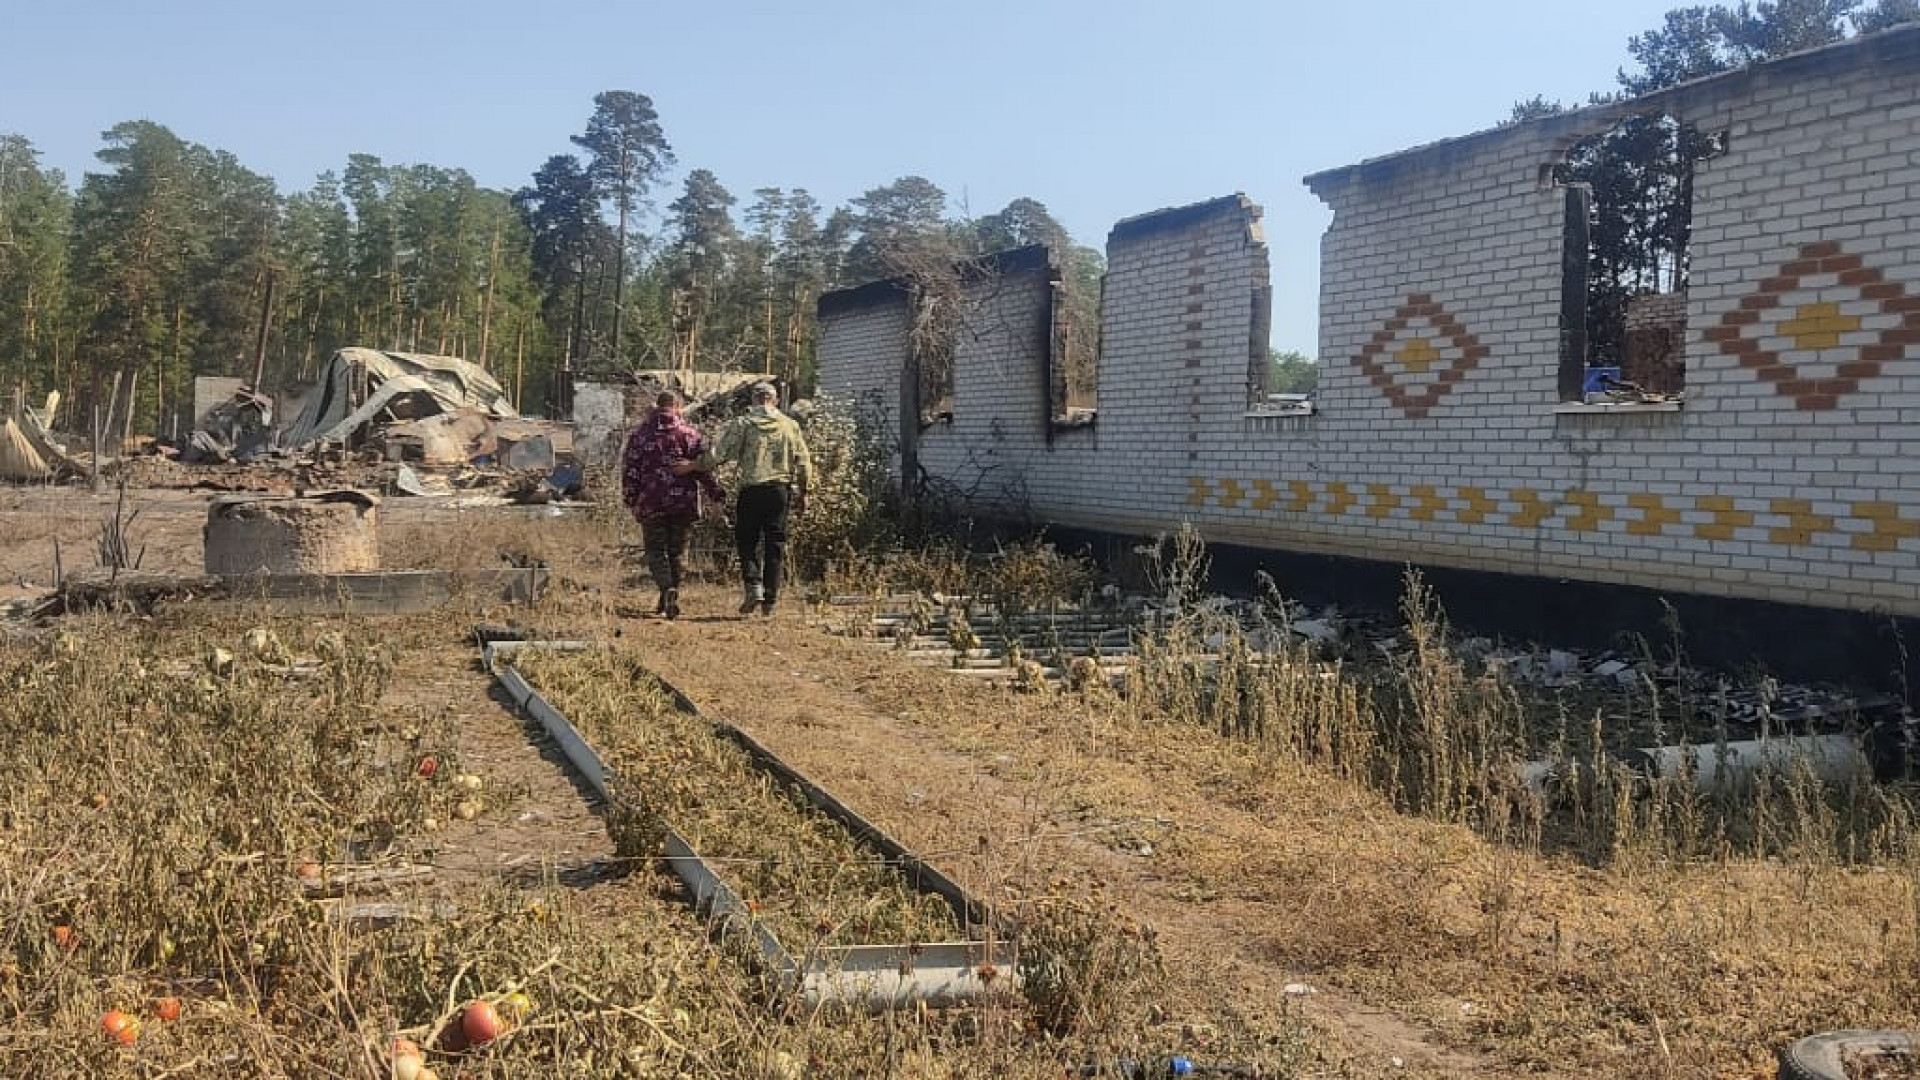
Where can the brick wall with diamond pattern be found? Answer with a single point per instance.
(1790, 472)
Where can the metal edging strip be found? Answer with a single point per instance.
(712, 895)
(923, 876)
(580, 755)
(878, 976)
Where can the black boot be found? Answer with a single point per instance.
(670, 602)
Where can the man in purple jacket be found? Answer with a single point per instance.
(666, 505)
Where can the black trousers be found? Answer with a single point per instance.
(760, 535)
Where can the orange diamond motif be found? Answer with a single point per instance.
(1448, 353)
(1815, 327)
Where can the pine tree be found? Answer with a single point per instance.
(35, 214)
(627, 153)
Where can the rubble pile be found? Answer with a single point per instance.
(1643, 695)
(392, 422)
(240, 427)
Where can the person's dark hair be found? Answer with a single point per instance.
(666, 399)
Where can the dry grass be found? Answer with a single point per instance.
(1606, 916)
(164, 795)
(1085, 965)
(1366, 835)
(1604, 924)
(172, 788)
(799, 871)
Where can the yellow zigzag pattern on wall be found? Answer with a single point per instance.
(1866, 526)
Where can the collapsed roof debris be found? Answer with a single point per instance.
(438, 411)
(18, 459)
(239, 428)
(362, 386)
(28, 450)
(709, 395)
(469, 435)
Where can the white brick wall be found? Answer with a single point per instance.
(863, 351)
(999, 394)
(1791, 473)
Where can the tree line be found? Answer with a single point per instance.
(174, 261)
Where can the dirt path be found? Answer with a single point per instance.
(1017, 800)
(537, 822)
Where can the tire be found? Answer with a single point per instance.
(1824, 1056)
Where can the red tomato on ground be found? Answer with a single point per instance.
(122, 1028)
(480, 1023)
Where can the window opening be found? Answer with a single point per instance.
(1073, 375)
(1278, 383)
(1629, 213)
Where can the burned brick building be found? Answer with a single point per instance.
(1770, 471)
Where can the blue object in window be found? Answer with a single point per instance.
(1598, 378)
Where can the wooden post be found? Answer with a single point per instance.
(113, 402)
(126, 420)
(93, 463)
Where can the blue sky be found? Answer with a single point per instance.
(1098, 110)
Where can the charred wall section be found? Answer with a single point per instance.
(1185, 292)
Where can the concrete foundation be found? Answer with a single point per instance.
(332, 533)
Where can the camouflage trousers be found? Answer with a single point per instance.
(665, 537)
